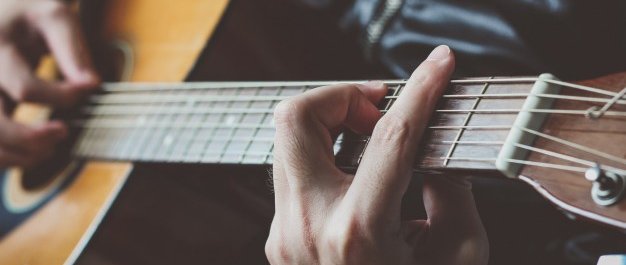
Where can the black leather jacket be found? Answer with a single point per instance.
(570, 38)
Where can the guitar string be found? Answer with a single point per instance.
(270, 154)
(121, 87)
(527, 162)
(557, 82)
(569, 158)
(126, 88)
(467, 127)
(576, 146)
(208, 110)
(150, 98)
(610, 102)
(517, 161)
(614, 100)
(252, 153)
(560, 156)
(134, 124)
(595, 113)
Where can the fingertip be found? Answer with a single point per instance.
(373, 90)
(86, 79)
(375, 85)
(440, 53)
(442, 57)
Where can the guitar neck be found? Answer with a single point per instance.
(232, 123)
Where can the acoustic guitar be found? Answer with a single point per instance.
(565, 139)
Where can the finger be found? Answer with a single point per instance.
(303, 143)
(449, 201)
(60, 29)
(21, 84)
(9, 158)
(454, 225)
(386, 167)
(33, 141)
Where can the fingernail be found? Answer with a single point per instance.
(375, 84)
(439, 53)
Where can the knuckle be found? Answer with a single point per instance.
(289, 113)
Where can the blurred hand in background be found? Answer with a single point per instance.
(28, 30)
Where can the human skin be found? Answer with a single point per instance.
(28, 30)
(326, 216)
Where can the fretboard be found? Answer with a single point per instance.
(232, 123)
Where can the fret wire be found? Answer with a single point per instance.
(179, 150)
(255, 133)
(465, 122)
(210, 132)
(267, 157)
(193, 140)
(234, 131)
(271, 149)
(169, 138)
(388, 105)
(153, 136)
(223, 147)
(89, 148)
(144, 136)
(173, 134)
(158, 138)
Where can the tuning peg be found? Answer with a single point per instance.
(608, 187)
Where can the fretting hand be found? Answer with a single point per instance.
(325, 216)
(28, 29)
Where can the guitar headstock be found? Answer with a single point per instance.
(578, 161)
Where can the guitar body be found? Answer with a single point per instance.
(159, 41)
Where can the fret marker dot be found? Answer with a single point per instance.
(230, 119)
(168, 140)
(141, 120)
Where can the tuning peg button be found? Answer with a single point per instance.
(608, 187)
